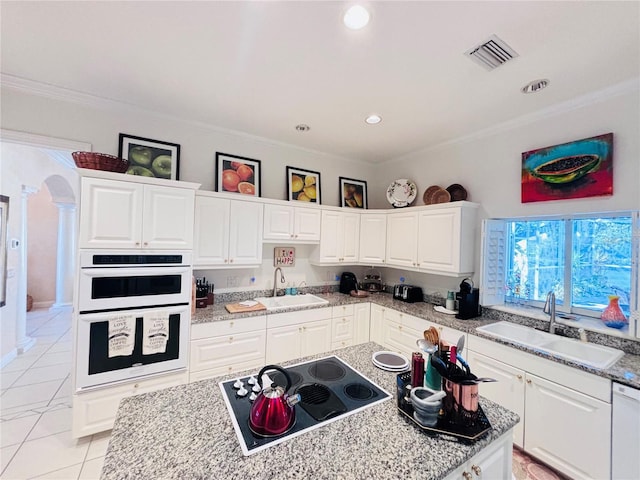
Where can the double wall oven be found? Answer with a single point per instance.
(133, 315)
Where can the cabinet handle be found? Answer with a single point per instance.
(519, 377)
(417, 264)
(291, 235)
(146, 243)
(300, 329)
(231, 261)
(296, 235)
(399, 327)
(230, 339)
(344, 320)
(226, 260)
(304, 328)
(476, 469)
(466, 475)
(135, 386)
(137, 244)
(229, 369)
(231, 323)
(528, 381)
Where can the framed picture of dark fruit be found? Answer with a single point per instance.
(237, 174)
(353, 193)
(150, 158)
(303, 185)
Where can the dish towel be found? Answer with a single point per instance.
(155, 332)
(122, 335)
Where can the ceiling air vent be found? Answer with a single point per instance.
(492, 53)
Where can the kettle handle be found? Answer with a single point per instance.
(275, 367)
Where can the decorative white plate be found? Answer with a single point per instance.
(390, 361)
(401, 192)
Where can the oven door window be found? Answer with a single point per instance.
(99, 361)
(135, 286)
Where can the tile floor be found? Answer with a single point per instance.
(35, 409)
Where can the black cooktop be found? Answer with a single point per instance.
(329, 389)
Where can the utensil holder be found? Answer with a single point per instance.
(460, 403)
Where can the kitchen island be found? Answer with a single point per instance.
(186, 432)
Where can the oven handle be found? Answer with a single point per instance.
(138, 312)
(133, 272)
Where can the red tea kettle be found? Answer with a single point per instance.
(273, 411)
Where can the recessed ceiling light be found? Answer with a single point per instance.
(303, 128)
(356, 17)
(373, 119)
(535, 86)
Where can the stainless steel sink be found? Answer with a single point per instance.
(287, 301)
(596, 356)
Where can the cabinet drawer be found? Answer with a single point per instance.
(301, 316)
(220, 352)
(226, 370)
(342, 310)
(341, 344)
(228, 327)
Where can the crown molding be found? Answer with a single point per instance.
(42, 141)
(32, 87)
(623, 88)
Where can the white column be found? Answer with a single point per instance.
(23, 342)
(65, 258)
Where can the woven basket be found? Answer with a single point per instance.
(29, 303)
(100, 161)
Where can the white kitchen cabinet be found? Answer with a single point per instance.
(402, 239)
(376, 333)
(291, 224)
(494, 462)
(373, 238)
(361, 323)
(434, 239)
(124, 214)
(564, 412)
(95, 411)
(342, 326)
(298, 334)
(228, 233)
(219, 348)
(339, 238)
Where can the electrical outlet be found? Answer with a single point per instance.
(232, 281)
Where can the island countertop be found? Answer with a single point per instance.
(186, 432)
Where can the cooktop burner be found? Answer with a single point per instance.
(329, 389)
(327, 370)
(359, 391)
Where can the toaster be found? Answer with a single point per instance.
(408, 293)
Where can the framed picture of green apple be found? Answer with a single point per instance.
(353, 193)
(303, 185)
(150, 158)
(237, 174)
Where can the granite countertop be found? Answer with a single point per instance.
(625, 371)
(186, 432)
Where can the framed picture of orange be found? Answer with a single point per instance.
(303, 185)
(238, 174)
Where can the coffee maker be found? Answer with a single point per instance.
(468, 300)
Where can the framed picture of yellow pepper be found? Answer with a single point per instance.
(353, 193)
(303, 185)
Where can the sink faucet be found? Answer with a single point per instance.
(550, 308)
(275, 278)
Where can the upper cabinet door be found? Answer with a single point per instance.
(373, 238)
(211, 231)
(330, 245)
(110, 214)
(167, 218)
(306, 225)
(402, 238)
(350, 237)
(278, 222)
(439, 240)
(245, 233)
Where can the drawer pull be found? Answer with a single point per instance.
(519, 377)
(466, 475)
(230, 339)
(476, 469)
(231, 323)
(528, 381)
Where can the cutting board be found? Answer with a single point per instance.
(237, 308)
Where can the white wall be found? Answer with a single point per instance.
(101, 126)
(42, 234)
(489, 167)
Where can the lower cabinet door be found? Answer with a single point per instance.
(568, 430)
(492, 463)
(316, 337)
(283, 343)
(376, 333)
(95, 411)
(361, 323)
(508, 391)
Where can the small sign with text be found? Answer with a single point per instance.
(284, 257)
